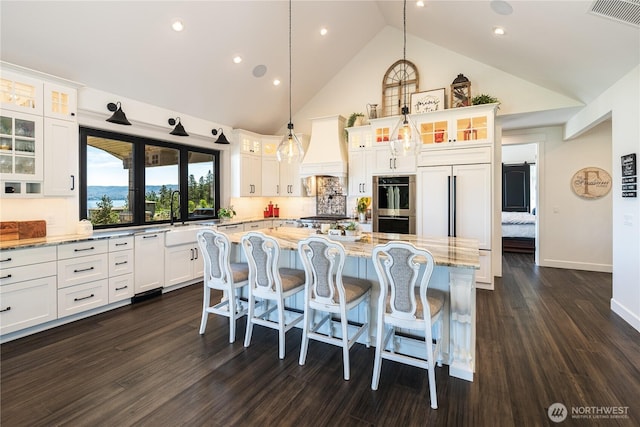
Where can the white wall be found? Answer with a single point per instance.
(622, 103)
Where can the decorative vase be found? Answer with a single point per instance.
(362, 216)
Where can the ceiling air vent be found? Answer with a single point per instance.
(626, 11)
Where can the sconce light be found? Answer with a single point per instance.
(118, 117)
(179, 129)
(221, 139)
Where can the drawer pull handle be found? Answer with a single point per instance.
(150, 237)
(5, 309)
(5, 277)
(122, 244)
(85, 249)
(83, 269)
(5, 260)
(80, 299)
(120, 263)
(124, 287)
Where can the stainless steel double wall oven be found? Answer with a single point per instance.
(394, 204)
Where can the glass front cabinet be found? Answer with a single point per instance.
(459, 126)
(21, 153)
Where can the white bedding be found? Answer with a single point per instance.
(518, 224)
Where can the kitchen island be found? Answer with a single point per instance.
(456, 260)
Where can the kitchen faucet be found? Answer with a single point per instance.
(171, 205)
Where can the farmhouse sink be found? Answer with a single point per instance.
(182, 235)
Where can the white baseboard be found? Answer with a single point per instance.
(574, 265)
(626, 314)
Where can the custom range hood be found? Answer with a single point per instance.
(327, 152)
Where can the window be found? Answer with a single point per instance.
(179, 181)
(399, 82)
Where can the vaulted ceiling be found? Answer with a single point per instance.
(129, 48)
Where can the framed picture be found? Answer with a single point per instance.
(431, 100)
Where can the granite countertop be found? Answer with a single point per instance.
(446, 251)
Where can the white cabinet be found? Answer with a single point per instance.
(21, 153)
(20, 93)
(257, 225)
(456, 199)
(459, 127)
(60, 157)
(149, 262)
(270, 167)
(27, 288)
(183, 263)
(60, 102)
(387, 163)
(230, 228)
(83, 271)
(360, 172)
(246, 164)
(121, 267)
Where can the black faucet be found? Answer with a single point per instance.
(171, 205)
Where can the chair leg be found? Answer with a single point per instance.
(345, 346)
(205, 304)
(377, 364)
(367, 319)
(304, 345)
(232, 316)
(432, 375)
(249, 330)
(281, 329)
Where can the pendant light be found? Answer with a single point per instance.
(405, 133)
(290, 148)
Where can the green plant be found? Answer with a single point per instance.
(351, 121)
(484, 99)
(226, 212)
(352, 226)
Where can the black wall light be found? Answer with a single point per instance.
(179, 129)
(118, 117)
(221, 139)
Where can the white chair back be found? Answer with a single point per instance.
(323, 262)
(262, 254)
(216, 249)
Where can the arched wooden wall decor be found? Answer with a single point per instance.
(398, 84)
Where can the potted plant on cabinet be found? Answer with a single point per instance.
(225, 214)
(355, 119)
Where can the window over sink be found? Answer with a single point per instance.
(178, 181)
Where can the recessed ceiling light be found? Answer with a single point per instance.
(420, 3)
(276, 82)
(323, 31)
(237, 59)
(177, 25)
(498, 31)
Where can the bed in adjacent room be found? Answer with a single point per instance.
(518, 232)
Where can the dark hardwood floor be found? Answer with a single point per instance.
(544, 335)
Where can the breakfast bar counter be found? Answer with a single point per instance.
(456, 260)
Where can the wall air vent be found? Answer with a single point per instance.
(625, 11)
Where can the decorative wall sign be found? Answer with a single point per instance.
(431, 100)
(591, 183)
(629, 178)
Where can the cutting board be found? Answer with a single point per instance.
(32, 229)
(9, 230)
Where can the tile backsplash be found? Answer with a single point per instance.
(330, 196)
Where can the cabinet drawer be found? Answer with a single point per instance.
(120, 287)
(231, 228)
(89, 247)
(18, 257)
(120, 263)
(27, 272)
(120, 244)
(81, 270)
(27, 304)
(83, 297)
(460, 156)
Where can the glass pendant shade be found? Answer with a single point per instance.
(404, 137)
(290, 149)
